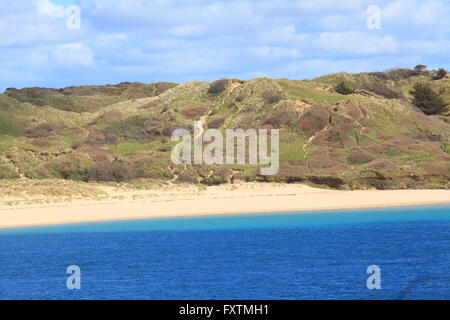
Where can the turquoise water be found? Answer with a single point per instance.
(269, 256)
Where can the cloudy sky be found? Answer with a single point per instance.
(44, 44)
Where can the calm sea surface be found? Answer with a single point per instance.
(272, 256)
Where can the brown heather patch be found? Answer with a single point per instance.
(324, 160)
(76, 130)
(42, 172)
(267, 127)
(215, 124)
(342, 123)
(269, 97)
(429, 147)
(151, 104)
(285, 117)
(96, 154)
(382, 136)
(41, 142)
(4, 105)
(353, 110)
(380, 163)
(111, 114)
(95, 137)
(117, 171)
(194, 112)
(382, 148)
(436, 168)
(314, 120)
(24, 123)
(44, 130)
(162, 87)
(359, 156)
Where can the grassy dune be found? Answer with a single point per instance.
(374, 137)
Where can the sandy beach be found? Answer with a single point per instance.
(183, 200)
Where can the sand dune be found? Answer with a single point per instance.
(177, 201)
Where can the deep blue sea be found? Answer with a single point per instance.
(269, 256)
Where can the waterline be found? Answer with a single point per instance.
(282, 220)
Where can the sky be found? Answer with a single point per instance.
(58, 43)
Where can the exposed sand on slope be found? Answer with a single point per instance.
(178, 201)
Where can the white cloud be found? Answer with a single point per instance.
(199, 39)
(353, 42)
(51, 9)
(109, 39)
(188, 30)
(435, 48)
(283, 35)
(337, 21)
(429, 13)
(276, 52)
(73, 54)
(35, 23)
(17, 78)
(329, 5)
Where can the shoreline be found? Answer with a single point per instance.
(186, 201)
(224, 213)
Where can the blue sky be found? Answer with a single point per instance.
(183, 40)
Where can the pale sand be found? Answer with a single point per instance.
(180, 201)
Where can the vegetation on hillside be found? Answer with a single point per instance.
(427, 100)
(344, 88)
(379, 129)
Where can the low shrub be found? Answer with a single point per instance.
(284, 117)
(188, 176)
(269, 97)
(344, 88)
(440, 74)
(217, 178)
(116, 170)
(75, 166)
(427, 100)
(218, 86)
(141, 129)
(7, 172)
(314, 120)
(44, 130)
(420, 68)
(241, 97)
(380, 89)
(395, 74)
